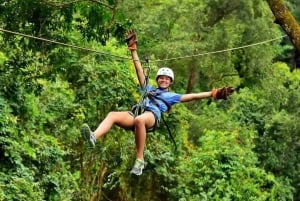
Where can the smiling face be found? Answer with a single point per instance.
(164, 81)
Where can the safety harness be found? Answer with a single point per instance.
(153, 97)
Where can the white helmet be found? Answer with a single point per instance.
(165, 71)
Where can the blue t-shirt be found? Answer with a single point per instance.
(158, 107)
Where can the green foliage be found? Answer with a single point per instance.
(278, 144)
(2, 58)
(224, 168)
(33, 165)
(245, 148)
(215, 25)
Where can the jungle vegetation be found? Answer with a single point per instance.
(65, 63)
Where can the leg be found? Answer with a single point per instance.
(142, 123)
(122, 119)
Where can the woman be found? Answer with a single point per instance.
(157, 101)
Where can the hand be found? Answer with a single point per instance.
(131, 40)
(222, 93)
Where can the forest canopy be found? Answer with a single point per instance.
(65, 63)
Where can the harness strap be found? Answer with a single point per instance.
(170, 134)
(140, 109)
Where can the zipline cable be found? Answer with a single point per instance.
(64, 44)
(225, 50)
(126, 58)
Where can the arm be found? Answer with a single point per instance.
(138, 68)
(131, 39)
(195, 96)
(220, 93)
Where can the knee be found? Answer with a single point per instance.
(138, 121)
(112, 115)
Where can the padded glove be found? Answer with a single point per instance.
(222, 93)
(131, 40)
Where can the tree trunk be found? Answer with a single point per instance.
(192, 77)
(286, 20)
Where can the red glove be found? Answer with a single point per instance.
(222, 93)
(131, 40)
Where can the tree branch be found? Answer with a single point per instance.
(286, 20)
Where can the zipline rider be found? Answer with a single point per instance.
(153, 106)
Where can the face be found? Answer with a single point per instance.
(164, 81)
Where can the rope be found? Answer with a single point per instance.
(64, 44)
(126, 58)
(225, 50)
